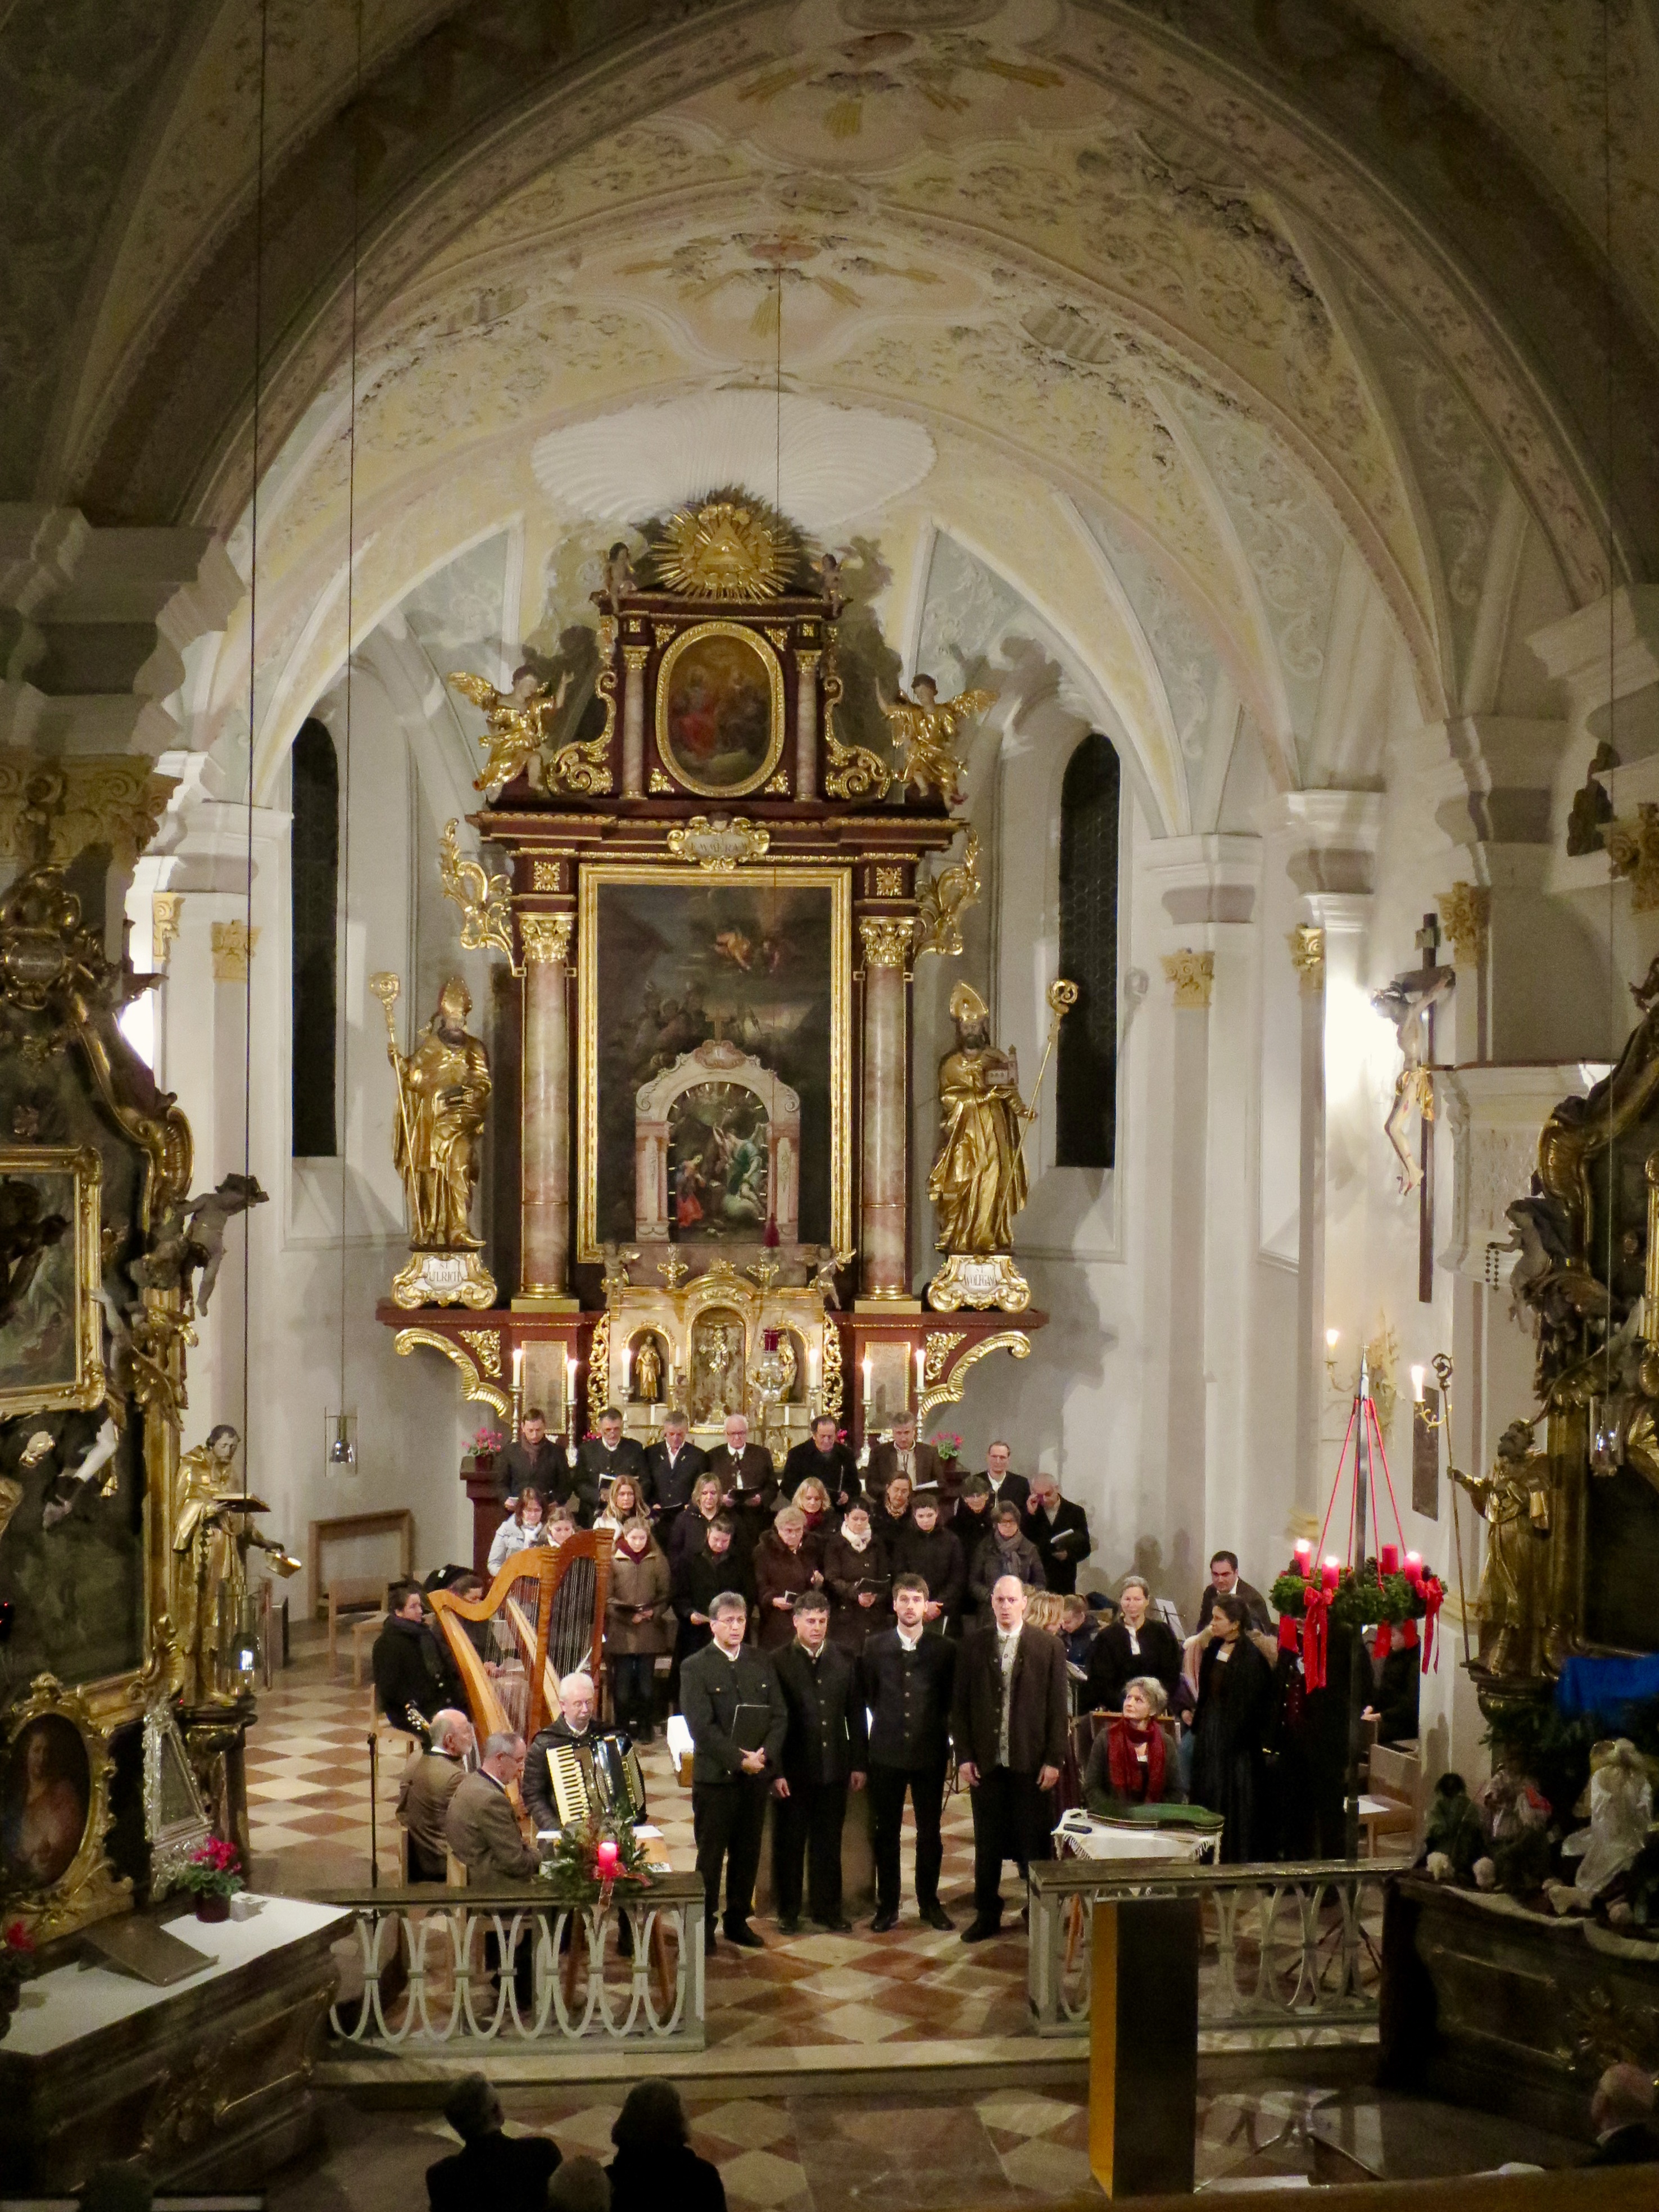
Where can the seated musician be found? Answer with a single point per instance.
(481, 1826)
(574, 1725)
(424, 1793)
(413, 1672)
(1130, 1762)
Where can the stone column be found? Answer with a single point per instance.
(544, 1139)
(884, 1271)
(633, 759)
(1308, 957)
(806, 725)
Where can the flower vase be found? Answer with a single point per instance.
(212, 1904)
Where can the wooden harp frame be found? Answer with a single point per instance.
(549, 1567)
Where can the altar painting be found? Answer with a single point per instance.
(715, 1078)
(720, 710)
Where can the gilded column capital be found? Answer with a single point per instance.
(886, 939)
(807, 657)
(1193, 974)
(166, 910)
(546, 938)
(1465, 910)
(634, 657)
(1307, 944)
(234, 947)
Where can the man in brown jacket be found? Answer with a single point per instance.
(1009, 1719)
(481, 1825)
(903, 1454)
(428, 1783)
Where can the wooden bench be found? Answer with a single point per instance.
(395, 1520)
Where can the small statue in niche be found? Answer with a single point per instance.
(212, 1535)
(443, 1088)
(1406, 1002)
(925, 729)
(521, 721)
(1514, 1500)
(978, 1182)
(648, 1371)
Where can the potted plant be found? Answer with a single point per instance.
(486, 1442)
(212, 1875)
(948, 1446)
(16, 1965)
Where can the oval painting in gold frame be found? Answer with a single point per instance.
(720, 710)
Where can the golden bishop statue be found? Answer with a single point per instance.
(443, 1089)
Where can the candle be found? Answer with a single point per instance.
(812, 1366)
(606, 1856)
(922, 1363)
(1332, 1338)
(1417, 1384)
(1390, 1558)
(1302, 1558)
(628, 1366)
(569, 1380)
(1329, 1573)
(864, 1363)
(1414, 1559)
(518, 1367)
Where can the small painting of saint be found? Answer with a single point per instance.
(45, 1801)
(719, 729)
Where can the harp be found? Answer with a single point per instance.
(542, 1617)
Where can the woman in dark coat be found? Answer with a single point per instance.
(784, 1567)
(1134, 1643)
(1230, 1726)
(655, 2168)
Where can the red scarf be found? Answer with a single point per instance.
(1123, 1738)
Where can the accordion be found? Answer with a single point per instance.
(601, 1779)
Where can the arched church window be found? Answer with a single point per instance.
(1086, 1090)
(314, 868)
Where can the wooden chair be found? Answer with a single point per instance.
(364, 1630)
(352, 1594)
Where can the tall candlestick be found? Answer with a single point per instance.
(922, 1363)
(518, 1367)
(864, 1363)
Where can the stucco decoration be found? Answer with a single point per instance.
(1186, 660)
(1290, 538)
(826, 464)
(1458, 471)
(460, 611)
(966, 616)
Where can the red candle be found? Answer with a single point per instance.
(1390, 1559)
(1329, 1573)
(1301, 1558)
(607, 1855)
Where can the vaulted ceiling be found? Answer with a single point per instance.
(1197, 310)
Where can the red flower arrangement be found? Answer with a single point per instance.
(213, 1871)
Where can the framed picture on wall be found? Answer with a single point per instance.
(716, 1077)
(51, 1340)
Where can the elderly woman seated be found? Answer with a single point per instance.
(1131, 1761)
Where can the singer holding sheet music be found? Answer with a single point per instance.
(735, 1710)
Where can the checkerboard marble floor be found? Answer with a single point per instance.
(308, 1807)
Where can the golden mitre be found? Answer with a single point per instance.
(967, 1005)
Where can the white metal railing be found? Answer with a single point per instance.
(1292, 1946)
(431, 1971)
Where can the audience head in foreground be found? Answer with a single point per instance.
(656, 2165)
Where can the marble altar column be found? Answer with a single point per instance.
(806, 725)
(544, 1171)
(884, 1271)
(633, 759)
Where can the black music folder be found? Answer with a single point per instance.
(750, 1725)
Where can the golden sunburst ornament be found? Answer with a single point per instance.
(723, 550)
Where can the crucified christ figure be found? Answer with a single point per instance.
(1406, 1002)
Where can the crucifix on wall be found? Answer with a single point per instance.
(1409, 1002)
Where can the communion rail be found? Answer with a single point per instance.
(423, 1974)
(1280, 1947)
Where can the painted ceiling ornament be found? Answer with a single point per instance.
(727, 549)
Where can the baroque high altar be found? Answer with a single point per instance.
(715, 901)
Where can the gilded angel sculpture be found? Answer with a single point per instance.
(521, 721)
(925, 729)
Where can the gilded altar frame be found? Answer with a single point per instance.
(80, 1168)
(87, 1888)
(754, 642)
(837, 880)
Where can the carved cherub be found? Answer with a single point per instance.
(823, 1277)
(619, 577)
(618, 1261)
(925, 729)
(828, 570)
(521, 721)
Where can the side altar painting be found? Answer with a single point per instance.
(715, 1070)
